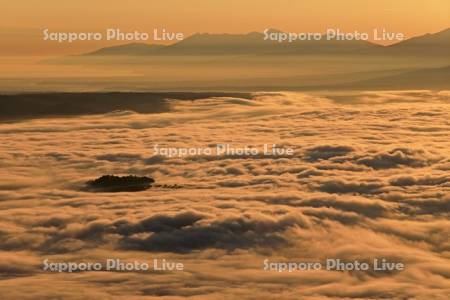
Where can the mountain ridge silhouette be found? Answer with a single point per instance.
(254, 43)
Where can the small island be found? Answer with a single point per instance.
(112, 183)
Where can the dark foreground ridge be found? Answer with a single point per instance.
(112, 183)
(15, 107)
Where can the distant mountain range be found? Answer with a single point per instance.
(428, 44)
(247, 62)
(254, 43)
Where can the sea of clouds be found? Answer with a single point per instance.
(369, 178)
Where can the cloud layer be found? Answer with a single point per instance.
(366, 180)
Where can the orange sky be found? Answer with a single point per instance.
(22, 21)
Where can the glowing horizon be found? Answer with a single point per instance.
(23, 21)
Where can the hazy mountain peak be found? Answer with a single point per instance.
(274, 30)
(440, 37)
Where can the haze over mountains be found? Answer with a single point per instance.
(255, 44)
(226, 44)
(245, 62)
(437, 43)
